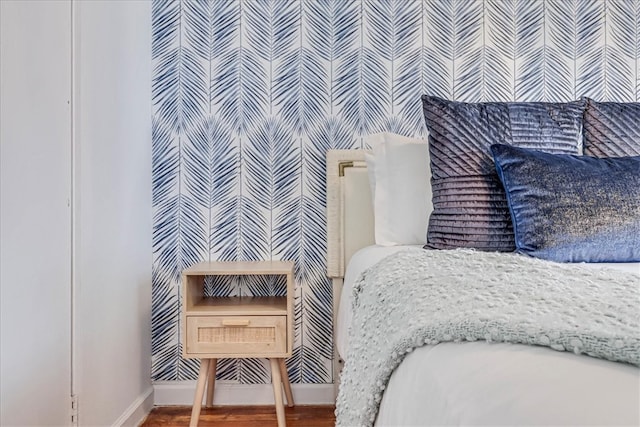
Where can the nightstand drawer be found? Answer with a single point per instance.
(232, 335)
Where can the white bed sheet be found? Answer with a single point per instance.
(497, 384)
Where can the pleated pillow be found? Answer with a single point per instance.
(611, 129)
(469, 203)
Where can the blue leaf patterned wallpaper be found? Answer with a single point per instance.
(249, 94)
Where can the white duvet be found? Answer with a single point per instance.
(498, 384)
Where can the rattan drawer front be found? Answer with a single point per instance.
(223, 335)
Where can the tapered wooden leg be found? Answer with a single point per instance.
(277, 392)
(211, 382)
(197, 400)
(285, 382)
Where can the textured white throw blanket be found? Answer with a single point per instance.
(416, 298)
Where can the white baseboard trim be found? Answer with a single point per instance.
(137, 411)
(230, 393)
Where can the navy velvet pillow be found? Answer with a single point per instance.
(569, 208)
(469, 204)
(612, 129)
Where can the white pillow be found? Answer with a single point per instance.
(373, 141)
(399, 176)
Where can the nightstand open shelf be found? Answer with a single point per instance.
(237, 326)
(229, 306)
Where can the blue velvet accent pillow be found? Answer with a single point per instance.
(469, 205)
(568, 208)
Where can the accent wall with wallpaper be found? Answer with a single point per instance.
(248, 95)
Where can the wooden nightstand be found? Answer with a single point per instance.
(237, 327)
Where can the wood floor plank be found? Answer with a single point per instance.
(242, 416)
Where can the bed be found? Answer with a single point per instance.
(468, 381)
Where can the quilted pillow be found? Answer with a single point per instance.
(572, 208)
(611, 129)
(469, 204)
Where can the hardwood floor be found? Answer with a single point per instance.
(242, 416)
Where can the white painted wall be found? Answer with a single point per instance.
(35, 216)
(113, 262)
(112, 205)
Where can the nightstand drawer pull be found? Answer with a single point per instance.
(240, 322)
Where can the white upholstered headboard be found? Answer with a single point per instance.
(349, 209)
(349, 221)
